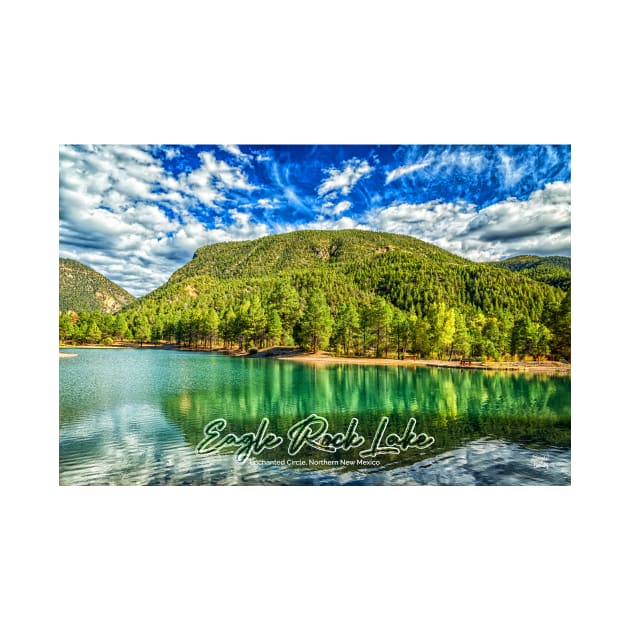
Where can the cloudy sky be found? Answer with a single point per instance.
(138, 213)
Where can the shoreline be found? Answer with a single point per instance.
(541, 367)
(283, 353)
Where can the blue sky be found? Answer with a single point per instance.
(137, 213)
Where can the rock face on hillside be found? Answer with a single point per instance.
(83, 289)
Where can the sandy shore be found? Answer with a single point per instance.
(326, 358)
(549, 367)
(295, 354)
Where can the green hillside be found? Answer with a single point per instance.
(552, 270)
(354, 292)
(304, 249)
(350, 265)
(83, 289)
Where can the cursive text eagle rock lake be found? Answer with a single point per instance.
(312, 432)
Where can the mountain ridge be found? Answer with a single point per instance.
(82, 288)
(552, 270)
(315, 247)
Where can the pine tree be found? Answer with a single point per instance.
(286, 301)
(365, 318)
(120, 326)
(93, 334)
(461, 338)
(421, 336)
(520, 336)
(256, 320)
(241, 327)
(156, 331)
(227, 327)
(400, 333)
(316, 323)
(447, 333)
(274, 328)
(346, 326)
(380, 318)
(212, 326)
(66, 327)
(141, 329)
(561, 329)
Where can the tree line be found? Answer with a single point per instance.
(315, 319)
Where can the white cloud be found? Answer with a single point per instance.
(456, 158)
(546, 210)
(242, 228)
(267, 203)
(540, 224)
(236, 152)
(209, 182)
(510, 172)
(441, 162)
(324, 223)
(118, 204)
(281, 178)
(433, 221)
(222, 172)
(401, 171)
(344, 180)
(332, 209)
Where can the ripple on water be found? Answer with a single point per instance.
(134, 418)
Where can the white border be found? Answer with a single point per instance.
(329, 73)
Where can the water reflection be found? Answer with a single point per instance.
(135, 417)
(455, 406)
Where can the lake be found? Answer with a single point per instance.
(136, 416)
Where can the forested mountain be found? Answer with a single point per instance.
(304, 249)
(553, 270)
(353, 291)
(83, 289)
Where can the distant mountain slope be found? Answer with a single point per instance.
(83, 289)
(552, 270)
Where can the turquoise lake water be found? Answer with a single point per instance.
(136, 416)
